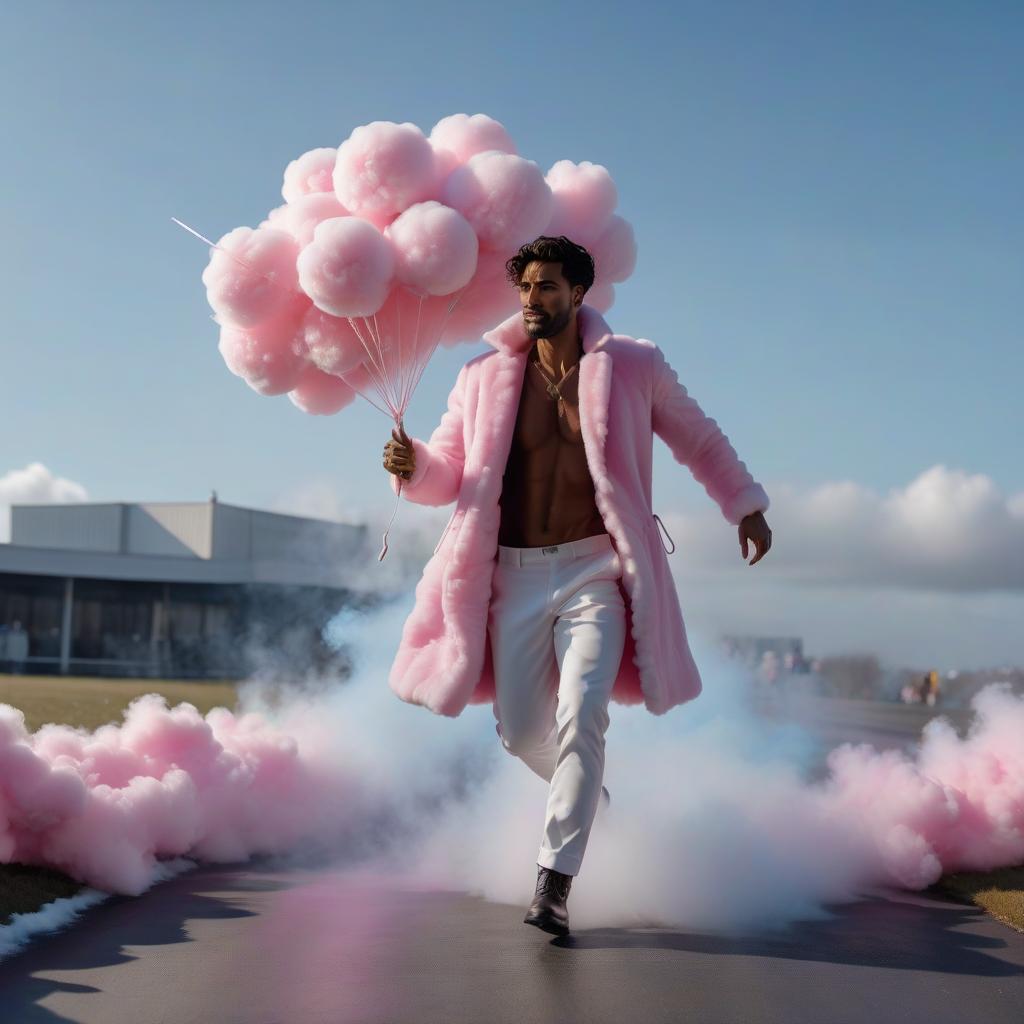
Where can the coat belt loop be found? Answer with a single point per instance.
(662, 525)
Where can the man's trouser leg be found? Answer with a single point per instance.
(557, 628)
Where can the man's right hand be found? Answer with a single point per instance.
(399, 454)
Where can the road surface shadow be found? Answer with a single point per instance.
(897, 932)
(118, 922)
(924, 934)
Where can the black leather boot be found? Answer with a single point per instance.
(548, 910)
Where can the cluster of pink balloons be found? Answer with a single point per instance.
(391, 244)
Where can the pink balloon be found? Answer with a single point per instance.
(320, 394)
(584, 200)
(268, 359)
(432, 315)
(435, 248)
(504, 197)
(310, 173)
(391, 244)
(384, 167)
(488, 299)
(347, 268)
(301, 216)
(378, 218)
(615, 251)
(251, 278)
(600, 296)
(334, 347)
(358, 377)
(458, 137)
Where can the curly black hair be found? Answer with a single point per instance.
(577, 263)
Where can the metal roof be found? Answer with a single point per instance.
(200, 542)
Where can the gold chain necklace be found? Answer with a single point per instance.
(553, 388)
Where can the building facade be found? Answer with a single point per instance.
(175, 590)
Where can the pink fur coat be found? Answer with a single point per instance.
(627, 393)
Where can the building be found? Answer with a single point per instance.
(175, 590)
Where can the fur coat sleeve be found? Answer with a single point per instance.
(697, 442)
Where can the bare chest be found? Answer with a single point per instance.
(549, 411)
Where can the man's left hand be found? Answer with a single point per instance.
(754, 528)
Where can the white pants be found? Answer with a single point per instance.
(557, 626)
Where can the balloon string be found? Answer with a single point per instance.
(398, 500)
(400, 388)
(374, 369)
(387, 373)
(395, 396)
(421, 365)
(410, 370)
(234, 256)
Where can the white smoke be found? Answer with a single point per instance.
(719, 821)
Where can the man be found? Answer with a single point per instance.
(549, 593)
(17, 648)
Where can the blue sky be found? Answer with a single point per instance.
(826, 199)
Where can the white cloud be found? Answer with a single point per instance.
(946, 531)
(34, 485)
(905, 628)
(932, 572)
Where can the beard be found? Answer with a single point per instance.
(550, 325)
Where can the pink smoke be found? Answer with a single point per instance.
(957, 806)
(107, 806)
(167, 782)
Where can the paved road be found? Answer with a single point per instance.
(336, 946)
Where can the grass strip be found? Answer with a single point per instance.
(999, 892)
(26, 888)
(89, 703)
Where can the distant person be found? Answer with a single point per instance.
(768, 670)
(17, 648)
(5, 664)
(53, 642)
(921, 690)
